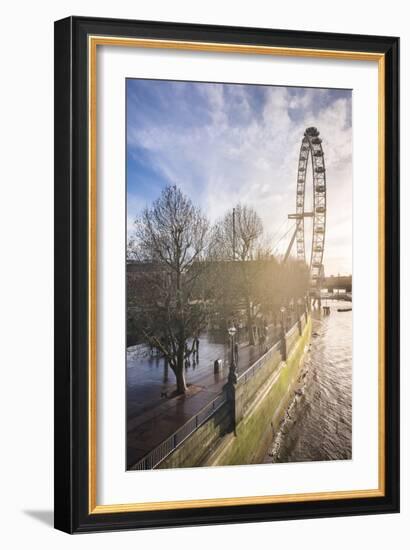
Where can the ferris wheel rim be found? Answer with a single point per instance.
(311, 148)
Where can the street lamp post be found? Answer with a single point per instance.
(233, 377)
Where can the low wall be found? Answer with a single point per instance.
(194, 450)
(246, 390)
(253, 434)
(292, 337)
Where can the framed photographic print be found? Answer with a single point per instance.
(226, 274)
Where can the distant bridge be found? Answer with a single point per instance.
(337, 283)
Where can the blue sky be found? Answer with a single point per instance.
(225, 143)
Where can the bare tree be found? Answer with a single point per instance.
(238, 237)
(171, 241)
(131, 249)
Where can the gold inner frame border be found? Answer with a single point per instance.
(93, 43)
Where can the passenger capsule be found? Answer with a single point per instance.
(311, 132)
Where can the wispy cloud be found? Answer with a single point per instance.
(227, 143)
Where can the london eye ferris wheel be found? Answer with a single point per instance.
(311, 148)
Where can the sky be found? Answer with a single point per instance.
(229, 143)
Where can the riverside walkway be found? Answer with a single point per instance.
(153, 413)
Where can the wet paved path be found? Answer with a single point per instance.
(151, 418)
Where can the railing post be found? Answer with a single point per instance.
(306, 309)
(283, 344)
(230, 389)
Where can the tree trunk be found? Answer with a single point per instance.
(180, 371)
(180, 376)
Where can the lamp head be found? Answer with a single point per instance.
(232, 331)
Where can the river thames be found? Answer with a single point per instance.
(318, 422)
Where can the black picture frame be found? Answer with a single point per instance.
(71, 492)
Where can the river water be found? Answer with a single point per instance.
(318, 422)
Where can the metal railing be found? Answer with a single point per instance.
(164, 449)
(254, 368)
(292, 330)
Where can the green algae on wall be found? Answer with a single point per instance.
(253, 433)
